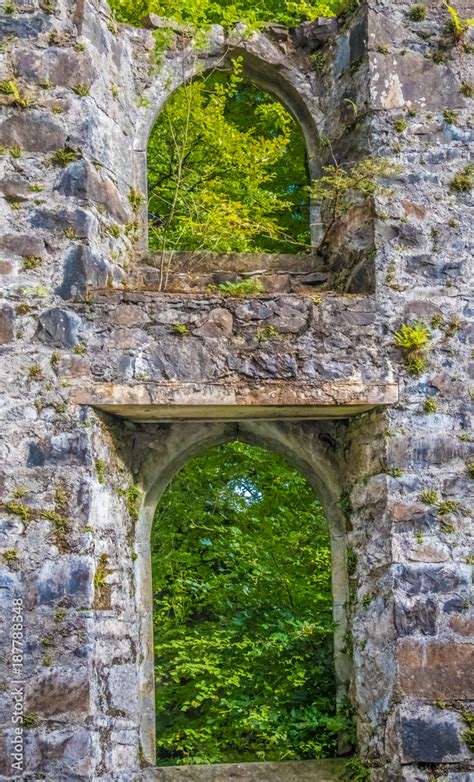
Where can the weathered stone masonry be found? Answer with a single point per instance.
(96, 384)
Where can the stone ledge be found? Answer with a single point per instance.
(178, 401)
(300, 771)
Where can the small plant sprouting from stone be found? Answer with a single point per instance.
(46, 84)
(19, 492)
(345, 504)
(417, 13)
(459, 26)
(452, 328)
(318, 61)
(437, 321)
(429, 496)
(133, 556)
(61, 524)
(251, 287)
(356, 771)
(80, 349)
(180, 329)
(114, 230)
(447, 507)
(462, 182)
(430, 405)
(9, 8)
(30, 720)
(395, 473)
(16, 152)
(47, 661)
(334, 190)
(368, 599)
(143, 102)
(115, 91)
(400, 124)
(35, 372)
(470, 469)
(468, 735)
(10, 555)
(81, 89)
(449, 117)
(31, 262)
(135, 198)
(382, 48)
(467, 89)
(70, 233)
(267, 332)
(63, 157)
(412, 339)
(55, 359)
(316, 300)
(419, 538)
(131, 497)
(102, 571)
(100, 470)
(60, 614)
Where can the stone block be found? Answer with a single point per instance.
(430, 736)
(436, 670)
(84, 224)
(59, 692)
(70, 576)
(218, 324)
(66, 449)
(58, 328)
(33, 131)
(7, 323)
(25, 245)
(82, 270)
(417, 617)
(423, 579)
(81, 180)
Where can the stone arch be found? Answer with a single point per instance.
(263, 64)
(303, 444)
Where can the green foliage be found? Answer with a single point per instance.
(430, 405)
(429, 496)
(131, 497)
(338, 185)
(30, 720)
(356, 771)
(227, 171)
(470, 469)
(243, 613)
(449, 116)
(400, 124)
(100, 470)
(180, 328)
(417, 13)
(81, 89)
(250, 287)
(63, 157)
(462, 181)
(459, 25)
(17, 509)
(412, 337)
(467, 89)
(202, 13)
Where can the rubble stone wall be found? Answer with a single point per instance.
(78, 336)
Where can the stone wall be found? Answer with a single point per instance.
(82, 331)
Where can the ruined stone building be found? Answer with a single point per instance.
(103, 402)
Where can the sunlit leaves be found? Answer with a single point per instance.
(243, 617)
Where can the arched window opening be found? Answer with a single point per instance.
(243, 620)
(227, 173)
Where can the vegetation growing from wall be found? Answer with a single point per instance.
(243, 613)
(202, 13)
(227, 171)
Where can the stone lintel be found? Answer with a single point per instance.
(296, 771)
(181, 401)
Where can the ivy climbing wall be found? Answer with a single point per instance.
(96, 377)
